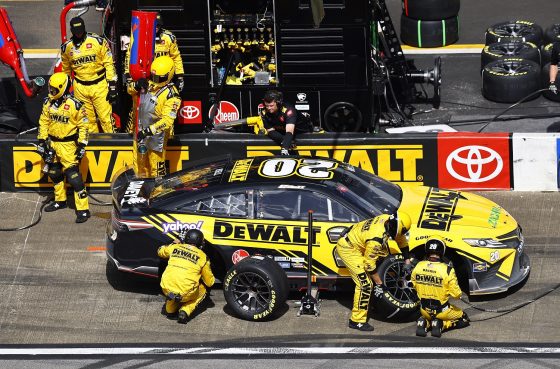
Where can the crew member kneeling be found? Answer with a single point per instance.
(64, 124)
(435, 282)
(159, 102)
(180, 281)
(364, 244)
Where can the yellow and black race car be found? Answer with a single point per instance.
(254, 215)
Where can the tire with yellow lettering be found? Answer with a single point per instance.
(256, 288)
(510, 80)
(518, 30)
(399, 300)
(503, 50)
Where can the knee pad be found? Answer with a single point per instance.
(55, 173)
(74, 177)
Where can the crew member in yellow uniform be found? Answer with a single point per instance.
(361, 248)
(181, 281)
(159, 102)
(88, 56)
(165, 45)
(63, 125)
(435, 282)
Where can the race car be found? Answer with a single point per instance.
(254, 215)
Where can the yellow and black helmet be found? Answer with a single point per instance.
(162, 70)
(398, 224)
(59, 84)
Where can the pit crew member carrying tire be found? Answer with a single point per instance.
(159, 102)
(435, 282)
(64, 125)
(165, 45)
(88, 56)
(282, 121)
(553, 74)
(361, 248)
(188, 266)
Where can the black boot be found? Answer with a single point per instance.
(164, 312)
(437, 326)
(82, 215)
(55, 205)
(421, 327)
(182, 318)
(364, 327)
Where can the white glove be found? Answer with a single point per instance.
(284, 152)
(552, 87)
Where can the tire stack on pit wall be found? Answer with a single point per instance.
(430, 23)
(551, 36)
(511, 62)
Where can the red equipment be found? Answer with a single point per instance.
(11, 54)
(142, 43)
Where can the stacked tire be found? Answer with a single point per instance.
(511, 62)
(430, 23)
(551, 36)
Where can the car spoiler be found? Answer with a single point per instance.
(129, 191)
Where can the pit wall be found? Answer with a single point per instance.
(454, 160)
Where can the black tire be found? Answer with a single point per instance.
(255, 288)
(545, 78)
(343, 117)
(503, 50)
(399, 301)
(552, 34)
(546, 53)
(419, 33)
(431, 9)
(514, 31)
(510, 80)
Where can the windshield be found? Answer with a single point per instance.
(371, 193)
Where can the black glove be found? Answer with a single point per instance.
(552, 87)
(143, 134)
(42, 147)
(112, 94)
(80, 151)
(141, 84)
(180, 82)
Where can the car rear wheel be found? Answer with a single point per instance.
(399, 301)
(256, 288)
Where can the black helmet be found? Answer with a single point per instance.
(192, 237)
(435, 245)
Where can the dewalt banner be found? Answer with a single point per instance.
(410, 158)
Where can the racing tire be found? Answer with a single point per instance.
(343, 117)
(256, 288)
(514, 31)
(510, 80)
(431, 9)
(502, 50)
(399, 300)
(420, 33)
(545, 80)
(546, 53)
(552, 34)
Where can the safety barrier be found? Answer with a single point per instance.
(455, 160)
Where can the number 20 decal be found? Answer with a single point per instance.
(307, 168)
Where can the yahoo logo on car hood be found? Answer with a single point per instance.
(179, 226)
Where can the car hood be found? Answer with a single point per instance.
(434, 209)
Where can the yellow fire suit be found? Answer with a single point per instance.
(186, 267)
(92, 64)
(435, 282)
(166, 44)
(65, 123)
(360, 250)
(158, 110)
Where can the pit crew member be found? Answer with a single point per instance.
(188, 266)
(88, 56)
(435, 282)
(282, 121)
(63, 125)
(361, 248)
(553, 74)
(159, 102)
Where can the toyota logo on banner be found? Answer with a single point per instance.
(473, 159)
(190, 112)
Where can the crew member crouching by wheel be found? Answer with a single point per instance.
(64, 124)
(159, 102)
(435, 282)
(364, 244)
(181, 280)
